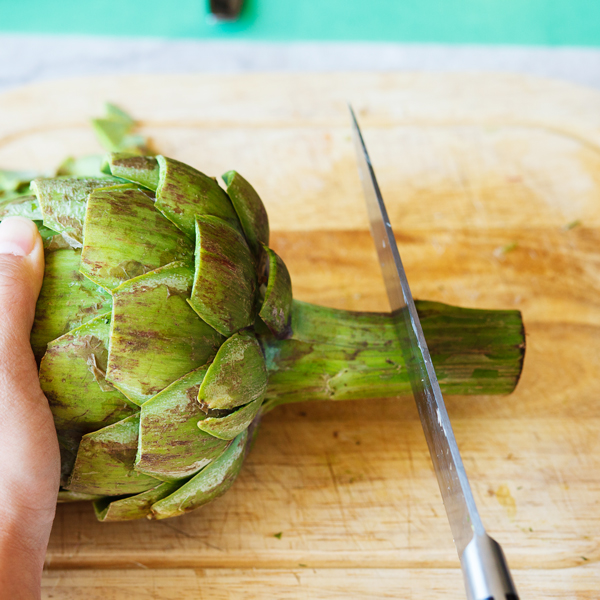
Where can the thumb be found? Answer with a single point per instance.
(29, 454)
(21, 274)
(28, 445)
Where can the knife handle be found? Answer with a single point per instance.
(225, 9)
(486, 572)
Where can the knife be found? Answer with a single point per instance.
(485, 570)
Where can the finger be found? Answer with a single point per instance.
(21, 274)
(27, 436)
(29, 454)
(24, 411)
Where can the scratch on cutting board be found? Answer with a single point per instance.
(505, 498)
(339, 498)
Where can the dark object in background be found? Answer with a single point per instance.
(226, 9)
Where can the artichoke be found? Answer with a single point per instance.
(166, 328)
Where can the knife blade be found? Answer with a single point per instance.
(485, 570)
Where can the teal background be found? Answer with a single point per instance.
(535, 22)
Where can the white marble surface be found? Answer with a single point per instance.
(26, 59)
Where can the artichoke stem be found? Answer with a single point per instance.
(342, 355)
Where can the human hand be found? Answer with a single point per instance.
(29, 455)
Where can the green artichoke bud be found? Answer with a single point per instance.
(166, 328)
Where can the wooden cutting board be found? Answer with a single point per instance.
(493, 185)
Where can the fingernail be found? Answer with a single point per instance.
(17, 236)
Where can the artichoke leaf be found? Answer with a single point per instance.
(26, 206)
(47, 234)
(115, 131)
(63, 202)
(250, 211)
(115, 136)
(171, 446)
(156, 337)
(131, 507)
(237, 375)
(276, 309)
(225, 282)
(230, 426)
(111, 133)
(213, 481)
(114, 113)
(15, 181)
(105, 462)
(139, 169)
(82, 166)
(66, 301)
(125, 236)
(183, 193)
(72, 376)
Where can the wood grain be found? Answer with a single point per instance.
(493, 185)
(316, 584)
